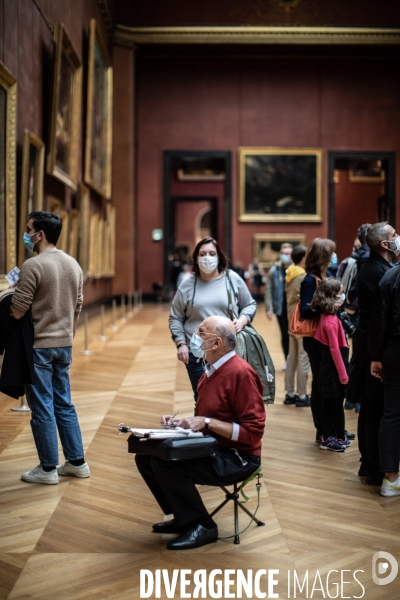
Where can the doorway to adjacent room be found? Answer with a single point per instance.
(361, 190)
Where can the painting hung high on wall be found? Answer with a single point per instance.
(31, 186)
(280, 184)
(64, 150)
(266, 246)
(8, 112)
(99, 115)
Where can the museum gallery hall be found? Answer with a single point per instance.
(147, 127)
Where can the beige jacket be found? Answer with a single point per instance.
(294, 277)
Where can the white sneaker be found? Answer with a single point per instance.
(68, 469)
(390, 488)
(37, 475)
(284, 366)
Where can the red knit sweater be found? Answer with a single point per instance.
(233, 393)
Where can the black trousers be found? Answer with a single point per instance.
(284, 327)
(370, 416)
(333, 418)
(173, 483)
(311, 346)
(389, 432)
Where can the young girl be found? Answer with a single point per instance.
(334, 358)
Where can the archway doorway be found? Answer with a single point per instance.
(197, 200)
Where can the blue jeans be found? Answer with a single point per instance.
(50, 402)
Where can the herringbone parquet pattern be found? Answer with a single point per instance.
(88, 539)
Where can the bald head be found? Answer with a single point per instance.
(223, 328)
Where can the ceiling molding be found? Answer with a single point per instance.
(258, 35)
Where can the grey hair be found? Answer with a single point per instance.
(376, 233)
(227, 336)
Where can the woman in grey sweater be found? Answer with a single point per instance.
(205, 294)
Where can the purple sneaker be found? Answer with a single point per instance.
(332, 444)
(344, 443)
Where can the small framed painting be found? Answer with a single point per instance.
(266, 246)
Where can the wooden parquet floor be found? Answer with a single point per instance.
(88, 539)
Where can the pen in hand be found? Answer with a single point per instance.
(168, 422)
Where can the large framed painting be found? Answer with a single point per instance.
(280, 184)
(64, 140)
(31, 186)
(99, 115)
(266, 246)
(8, 144)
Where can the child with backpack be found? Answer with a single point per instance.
(334, 363)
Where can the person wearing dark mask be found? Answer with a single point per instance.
(381, 239)
(384, 351)
(275, 295)
(203, 294)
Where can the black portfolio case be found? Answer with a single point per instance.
(173, 448)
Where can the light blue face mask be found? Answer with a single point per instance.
(196, 343)
(27, 241)
(333, 262)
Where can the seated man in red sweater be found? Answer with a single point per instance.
(231, 409)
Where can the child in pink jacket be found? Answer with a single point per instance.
(334, 360)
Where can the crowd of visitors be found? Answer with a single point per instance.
(362, 302)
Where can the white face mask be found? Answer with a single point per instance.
(208, 264)
(340, 298)
(396, 242)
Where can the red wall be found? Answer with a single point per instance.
(333, 105)
(355, 203)
(26, 49)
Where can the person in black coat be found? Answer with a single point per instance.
(384, 349)
(380, 237)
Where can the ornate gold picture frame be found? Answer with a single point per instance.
(280, 185)
(99, 115)
(84, 228)
(64, 143)
(8, 144)
(31, 186)
(266, 246)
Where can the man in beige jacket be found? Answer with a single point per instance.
(297, 359)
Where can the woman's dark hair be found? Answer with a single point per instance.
(324, 296)
(48, 222)
(318, 255)
(222, 260)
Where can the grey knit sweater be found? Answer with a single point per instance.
(51, 285)
(197, 299)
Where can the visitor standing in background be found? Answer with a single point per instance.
(275, 296)
(297, 361)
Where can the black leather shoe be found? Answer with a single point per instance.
(167, 527)
(350, 436)
(290, 399)
(303, 401)
(194, 538)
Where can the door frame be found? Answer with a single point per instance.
(213, 200)
(169, 200)
(389, 157)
